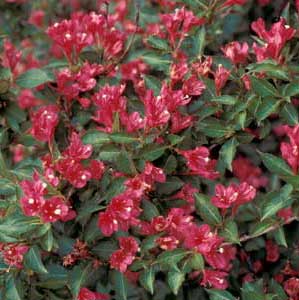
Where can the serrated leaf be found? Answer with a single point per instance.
(11, 292)
(262, 87)
(230, 232)
(291, 89)
(152, 152)
(147, 278)
(277, 201)
(149, 210)
(220, 295)
(33, 261)
(276, 164)
(153, 83)
(33, 78)
(175, 280)
(197, 262)
(208, 212)
(199, 40)
(280, 238)
(156, 61)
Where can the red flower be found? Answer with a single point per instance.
(96, 169)
(233, 195)
(13, 254)
(291, 286)
(26, 99)
(199, 162)
(221, 258)
(122, 258)
(245, 171)
(234, 2)
(37, 18)
(215, 279)
(86, 294)
(156, 112)
(221, 76)
(153, 174)
(272, 250)
(180, 122)
(107, 223)
(44, 122)
(193, 87)
(285, 213)
(167, 242)
(236, 52)
(290, 151)
(202, 239)
(11, 56)
(275, 38)
(53, 210)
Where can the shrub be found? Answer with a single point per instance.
(149, 150)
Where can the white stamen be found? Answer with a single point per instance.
(57, 211)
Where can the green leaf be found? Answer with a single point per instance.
(290, 114)
(220, 295)
(175, 280)
(33, 261)
(227, 153)
(78, 277)
(215, 128)
(120, 285)
(197, 262)
(261, 228)
(153, 83)
(152, 152)
(230, 232)
(33, 78)
(225, 99)
(158, 43)
(271, 68)
(280, 238)
(11, 292)
(276, 165)
(104, 249)
(276, 201)
(171, 257)
(266, 108)
(262, 87)
(95, 137)
(149, 210)
(122, 138)
(208, 212)
(199, 40)
(276, 288)
(7, 187)
(157, 61)
(147, 278)
(291, 89)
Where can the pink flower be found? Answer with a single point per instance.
(202, 239)
(37, 18)
(167, 242)
(272, 250)
(53, 210)
(221, 76)
(156, 112)
(291, 286)
(233, 195)
(107, 223)
(180, 122)
(193, 87)
(275, 38)
(236, 52)
(221, 258)
(199, 162)
(86, 294)
(11, 56)
(122, 258)
(26, 99)
(44, 122)
(13, 254)
(96, 169)
(289, 150)
(215, 279)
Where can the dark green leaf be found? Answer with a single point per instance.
(33, 261)
(220, 295)
(230, 232)
(147, 278)
(158, 43)
(208, 212)
(33, 78)
(95, 137)
(262, 87)
(225, 99)
(175, 280)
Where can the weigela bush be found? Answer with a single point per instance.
(149, 150)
